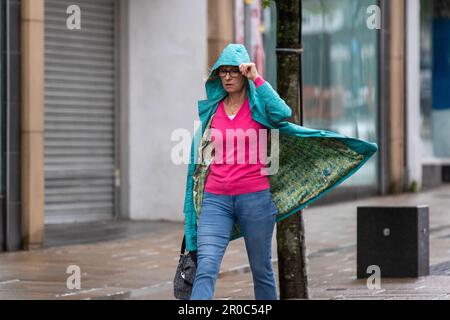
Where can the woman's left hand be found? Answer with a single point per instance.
(249, 70)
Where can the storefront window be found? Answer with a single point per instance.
(340, 73)
(435, 80)
(425, 76)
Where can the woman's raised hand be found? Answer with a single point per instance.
(249, 71)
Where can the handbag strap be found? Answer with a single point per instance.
(183, 245)
(183, 248)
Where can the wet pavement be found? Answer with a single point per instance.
(137, 260)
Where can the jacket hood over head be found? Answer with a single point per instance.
(233, 55)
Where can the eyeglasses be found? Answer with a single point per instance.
(234, 73)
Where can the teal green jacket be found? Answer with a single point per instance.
(311, 162)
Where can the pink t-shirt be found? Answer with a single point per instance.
(237, 168)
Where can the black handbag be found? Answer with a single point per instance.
(185, 274)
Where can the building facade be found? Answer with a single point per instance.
(92, 92)
(103, 86)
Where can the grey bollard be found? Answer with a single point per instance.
(396, 239)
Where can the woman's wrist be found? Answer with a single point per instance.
(258, 81)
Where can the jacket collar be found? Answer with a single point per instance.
(207, 107)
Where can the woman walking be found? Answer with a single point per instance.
(236, 192)
(229, 193)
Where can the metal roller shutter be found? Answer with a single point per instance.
(79, 112)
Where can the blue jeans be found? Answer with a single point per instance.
(256, 214)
